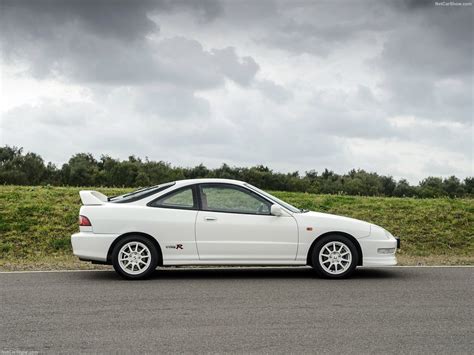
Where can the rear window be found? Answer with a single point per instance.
(140, 193)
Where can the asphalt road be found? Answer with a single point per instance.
(274, 310)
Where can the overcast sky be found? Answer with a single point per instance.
(385, 86)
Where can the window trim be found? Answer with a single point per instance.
(235, 187)
(196, 202)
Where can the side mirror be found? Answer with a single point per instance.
(275, 210)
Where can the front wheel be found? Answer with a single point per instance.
(334, 257)
(135, 257)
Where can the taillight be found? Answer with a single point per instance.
(84, 221)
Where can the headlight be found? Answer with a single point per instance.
(379, 232)
(388, 234)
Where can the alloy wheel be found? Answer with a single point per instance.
(134, 257)
(335, 257)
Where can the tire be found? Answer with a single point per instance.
(334, 257)
(141, 261)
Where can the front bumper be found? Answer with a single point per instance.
(91, 246)
(379, 249)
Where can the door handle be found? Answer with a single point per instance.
(210, 218)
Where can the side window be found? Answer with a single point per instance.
(232, 199)
(180, 199)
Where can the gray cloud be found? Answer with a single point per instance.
(428, 64)
(45, 20)
(273, 91)
(241, 70)
(321, 27)
(120, 19)
(170, 103)
(90, 41)
(293, 84)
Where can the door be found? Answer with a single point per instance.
(235, 224)
(172, 219)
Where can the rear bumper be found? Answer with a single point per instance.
(91, 246)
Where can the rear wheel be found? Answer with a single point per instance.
(334, 257)
(135, 257)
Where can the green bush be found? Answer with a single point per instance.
(83, 169)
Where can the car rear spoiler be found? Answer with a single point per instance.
(89, 197)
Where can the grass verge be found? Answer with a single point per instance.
(36, 224)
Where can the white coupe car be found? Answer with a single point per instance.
(221, 222)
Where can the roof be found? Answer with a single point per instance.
(208, 180)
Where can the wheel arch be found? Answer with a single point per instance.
(145, 235)
(327, 234)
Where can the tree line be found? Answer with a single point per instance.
(82, 169)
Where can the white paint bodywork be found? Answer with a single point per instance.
(220, 238)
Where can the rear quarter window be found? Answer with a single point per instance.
(140, 194)
(183, 198)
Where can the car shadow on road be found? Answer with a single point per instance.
(177, 273)
(259, 273)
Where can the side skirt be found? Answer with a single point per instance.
(235, 262)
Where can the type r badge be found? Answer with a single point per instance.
(177, 246)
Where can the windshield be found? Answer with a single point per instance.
(275, 199)
(140, 193)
